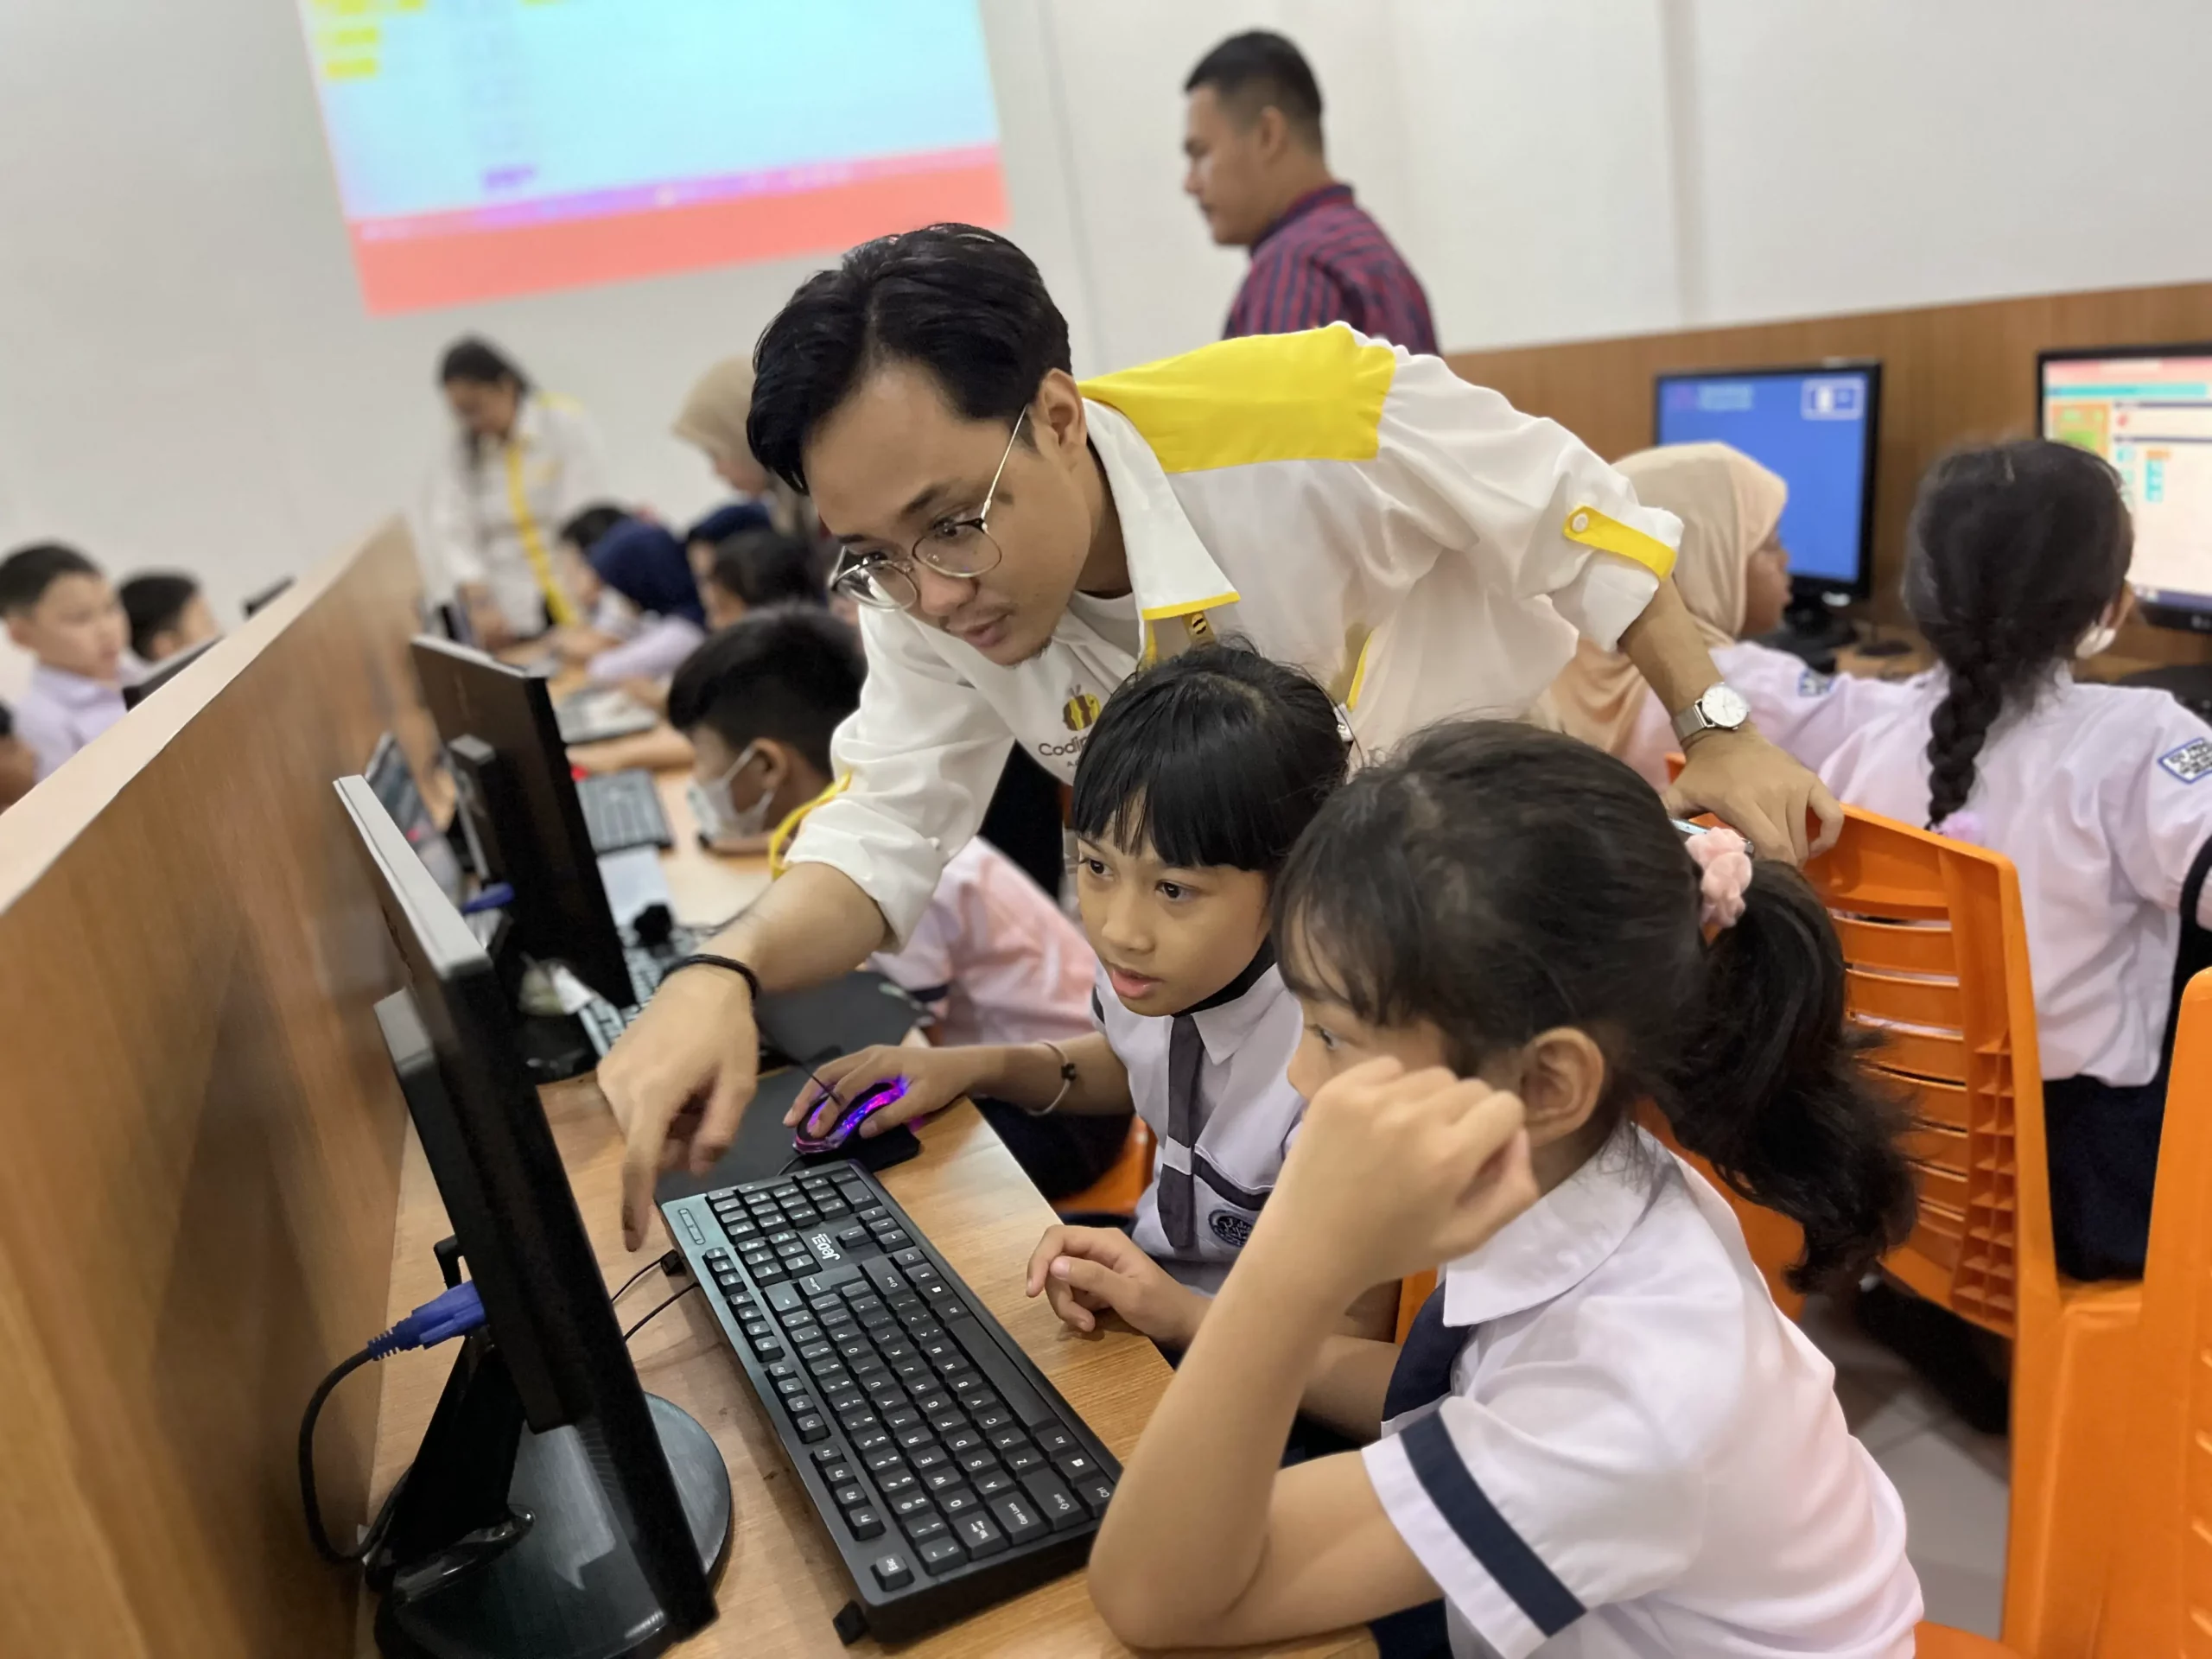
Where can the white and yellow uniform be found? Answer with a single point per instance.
(495, 516)
(1410, 539)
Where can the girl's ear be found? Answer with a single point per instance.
(1562, 1079)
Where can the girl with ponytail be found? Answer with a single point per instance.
(2017, 567)
(1600, 1435)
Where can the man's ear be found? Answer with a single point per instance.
(1062, 428)
(19, 629)
(1562, 1080)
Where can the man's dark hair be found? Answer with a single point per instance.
(1249, 72)
(764, 567)
(588, 523)
(155, 602)
(27, 573)
(792, 674)
(965, 304)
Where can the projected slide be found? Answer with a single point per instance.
(494, 147)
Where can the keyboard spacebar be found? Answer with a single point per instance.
(1005, 1375)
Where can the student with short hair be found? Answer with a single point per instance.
(167, 614)
(2015, 568)
(757, 566)
(993, 957)
(1198, 778)
(60, 609)
(1600, 1437)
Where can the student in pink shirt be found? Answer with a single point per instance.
(994, 955)
(62, 611)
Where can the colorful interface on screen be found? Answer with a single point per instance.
(494, 146)
(2152, 418)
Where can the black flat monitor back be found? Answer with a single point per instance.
(560, 909)
(393, 780)
(1814, 426)
(507, 1196)
(167, 670)
(267, 596)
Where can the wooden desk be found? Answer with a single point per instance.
(783, 1584)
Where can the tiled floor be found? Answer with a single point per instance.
(1952, 1479)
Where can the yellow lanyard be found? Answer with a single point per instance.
(533, 542)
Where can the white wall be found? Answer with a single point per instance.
(187, 375)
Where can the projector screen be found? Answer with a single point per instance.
(494, 147)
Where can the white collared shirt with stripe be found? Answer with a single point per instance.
(1248, 1115)
(1409, 538)
(496, 520)
(1639, 1455)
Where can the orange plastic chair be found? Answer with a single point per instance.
(1942, 1642)
(1412, 1293)
(2161, 1594)
(1938, 964)
(1117, 1192)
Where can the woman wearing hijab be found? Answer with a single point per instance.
(1733, 574)
(712, 421)
(639, 560)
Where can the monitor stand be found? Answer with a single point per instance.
(502, 1544)
(1814, 631)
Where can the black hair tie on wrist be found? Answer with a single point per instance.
(704, 960)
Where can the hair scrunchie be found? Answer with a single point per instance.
(1724, 862)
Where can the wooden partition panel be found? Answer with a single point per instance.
(199, 1173)
(1951, 374)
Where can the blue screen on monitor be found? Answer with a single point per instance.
(1813, 428)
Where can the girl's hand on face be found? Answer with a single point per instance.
(935, 1078)
(1395, 1173)
(1086, 1271)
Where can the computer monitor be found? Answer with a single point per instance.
(599, 1529)
(505, 748)
(267, 596)
(1814, 426)
(393, 781)
(2148, 411)
(165, 670)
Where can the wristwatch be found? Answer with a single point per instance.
(1722, 708)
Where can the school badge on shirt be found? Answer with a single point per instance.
(1080, 712)
(2190, 761)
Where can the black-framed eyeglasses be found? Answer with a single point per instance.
(952, 547)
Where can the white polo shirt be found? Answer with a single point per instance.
(496, 519)
(1640, 1456)
(1412, 540)
(1247, 1116)
(2098, 795)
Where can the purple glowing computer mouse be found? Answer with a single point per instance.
(849, 1119)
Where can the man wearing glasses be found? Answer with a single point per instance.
(1019, 544)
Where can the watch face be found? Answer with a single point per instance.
(1724, 706)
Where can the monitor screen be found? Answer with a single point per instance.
(393, 780)
(2150, 413)
(1814, 427)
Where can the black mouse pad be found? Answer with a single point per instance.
(810, 1026)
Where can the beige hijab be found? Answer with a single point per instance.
(1729, 505)
(713, 419)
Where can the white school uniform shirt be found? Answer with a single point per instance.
(1639, 1455)
(1247, 1110)
(994, 958)
(1799, 710)
(2097, 795)
(654, 650)
(496, 520)
(61, 711)
(1409, 538)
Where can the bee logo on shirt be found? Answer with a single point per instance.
(1201, 630)
(1229, 1228)
(2190, 761)
(1080, 711)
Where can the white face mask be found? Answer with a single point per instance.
(2095, 642)
(717, 819)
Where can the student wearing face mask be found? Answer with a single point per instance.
(993, 957)
(2017, 568)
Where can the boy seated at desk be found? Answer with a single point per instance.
(994, 957)
(64, 612)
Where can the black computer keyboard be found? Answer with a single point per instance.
(602, 1022)
(948, 1472)
(622, 810)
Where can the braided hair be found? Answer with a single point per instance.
(2015, 551)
